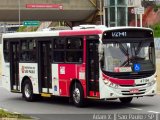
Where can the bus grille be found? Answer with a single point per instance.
(127, 92)
(133, 85)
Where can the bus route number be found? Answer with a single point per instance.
(144, 81)
(119, 34)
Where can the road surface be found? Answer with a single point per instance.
(50, 109)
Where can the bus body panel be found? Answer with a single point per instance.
(6, 75)
(5, 71)
(145, 86)
(64, 74)
(67, 72)
(29, 70)
(55, 79)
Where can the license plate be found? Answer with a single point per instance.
(134, 91)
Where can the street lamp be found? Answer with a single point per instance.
(19, 12)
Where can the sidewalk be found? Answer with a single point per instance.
(158, 74)
(0, 82)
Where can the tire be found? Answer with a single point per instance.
(78, 95)
(27, 91)
(126, 100)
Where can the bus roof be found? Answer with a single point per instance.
(65, 32)
(52, 33)
(128, 27)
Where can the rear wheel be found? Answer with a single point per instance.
(78, 95)
(126, 100)
(27, 91)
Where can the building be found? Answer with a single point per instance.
(119, 12)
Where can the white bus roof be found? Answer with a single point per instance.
(64, 32)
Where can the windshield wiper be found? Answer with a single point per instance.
(139, 47)
(131, 60)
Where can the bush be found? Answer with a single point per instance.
(156, 29)
(21, 29)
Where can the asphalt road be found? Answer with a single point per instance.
(0, 83)
(59, 108)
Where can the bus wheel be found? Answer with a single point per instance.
(126, 100)
(27, 91)
(78, 95)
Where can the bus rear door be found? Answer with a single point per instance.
(44, 66)
(14, 65)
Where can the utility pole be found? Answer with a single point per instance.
(101, 15)
(19, 11)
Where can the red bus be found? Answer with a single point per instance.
(95, 63)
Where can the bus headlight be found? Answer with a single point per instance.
(151, 83)
(110, 84)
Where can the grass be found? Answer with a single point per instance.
(10, 116)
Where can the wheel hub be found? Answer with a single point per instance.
(27, 91)
(76, 95)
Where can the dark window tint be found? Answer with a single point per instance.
(28, 51)
(6, 50)
(68, 50)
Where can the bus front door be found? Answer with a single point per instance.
(14, 65)
(44, 66)
(92, 68)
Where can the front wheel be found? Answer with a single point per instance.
(126, 100)
(78, 95)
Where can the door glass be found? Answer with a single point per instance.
(14, 68)
(45, 64)
(92, 66)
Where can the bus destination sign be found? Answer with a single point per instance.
(119, 34)
(127, 33)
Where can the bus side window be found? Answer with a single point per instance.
(59, 50)
(6, 51)
(59, 43)
(28, 51)
(74, 51)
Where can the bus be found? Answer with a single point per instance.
(83, 63)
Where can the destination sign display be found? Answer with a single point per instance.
(127, 33)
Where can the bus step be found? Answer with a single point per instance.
(89, 97)
(45, 95)
(15, 91)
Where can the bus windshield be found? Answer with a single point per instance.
(122, 57)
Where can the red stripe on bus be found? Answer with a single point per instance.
(120, 81)
(76, 32)
(93, 94)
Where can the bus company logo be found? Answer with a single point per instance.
(26, 69)
(119, 34)
(22, 69)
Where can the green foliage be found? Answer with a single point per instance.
(21, 29)
(156, 7)
(33, 29)
(27, 29)
(156, 29)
